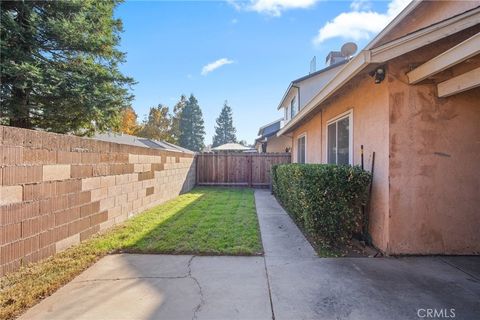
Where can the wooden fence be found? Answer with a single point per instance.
(237, 169)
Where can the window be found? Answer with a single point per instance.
(287, 114)
(301, 149)
(339, 139)
(293, 108)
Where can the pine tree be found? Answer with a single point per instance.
(177, 113)
(59, 65)
(158, 125)
(224, 130)
(192, 130)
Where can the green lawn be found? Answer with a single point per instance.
(203, 221)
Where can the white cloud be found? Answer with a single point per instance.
(272, 7)
(359, 24)
(360, 5)
(215, 65)
(235, 4)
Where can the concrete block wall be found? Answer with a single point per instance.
(57, 190)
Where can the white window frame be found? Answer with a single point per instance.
(293, 110)
(347, 114)
(304, 134)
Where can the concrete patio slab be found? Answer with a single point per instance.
(362, 288)
(304, 286)
(131, 286)
(125, 266)
(153, 298)
(467, 264)
(289, 282)
(232, 287)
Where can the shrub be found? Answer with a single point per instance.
(324, 199)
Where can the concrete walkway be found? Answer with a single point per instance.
(290, 282)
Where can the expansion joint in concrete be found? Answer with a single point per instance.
(460, 269)
(268, 286)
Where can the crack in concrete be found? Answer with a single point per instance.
(188, 275)
(200, 290)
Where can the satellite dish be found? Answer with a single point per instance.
(348, 49)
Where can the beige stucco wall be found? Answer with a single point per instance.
(312, 129)
(425, 200)
(369, 103)
(434, 175)
(278, 144)
(426, 187)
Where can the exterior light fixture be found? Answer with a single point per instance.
(378, 74)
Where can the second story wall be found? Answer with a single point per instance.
(302, 91)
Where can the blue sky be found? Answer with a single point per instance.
(254, 49)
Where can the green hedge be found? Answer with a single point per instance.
(326, 200)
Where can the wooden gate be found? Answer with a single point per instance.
(237, 169)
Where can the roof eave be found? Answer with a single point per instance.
(285, 95)
(267, 125)
(352, 68)
(404, 13)
(386, 52)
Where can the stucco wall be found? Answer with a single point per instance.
(434, 175)
(278, 144)
(57, 190)
(426, 188)
(369, 103)
(313, 131)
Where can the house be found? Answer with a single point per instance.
(412, 97)
(232, 147)
(268, 141)
(302, 90)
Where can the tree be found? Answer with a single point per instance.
(59, 66)
(224, 130)
(128, 122)
(177, 113)
(244, 143)
(192, 130)
(158, 124)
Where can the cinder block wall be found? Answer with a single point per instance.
(57, 190)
